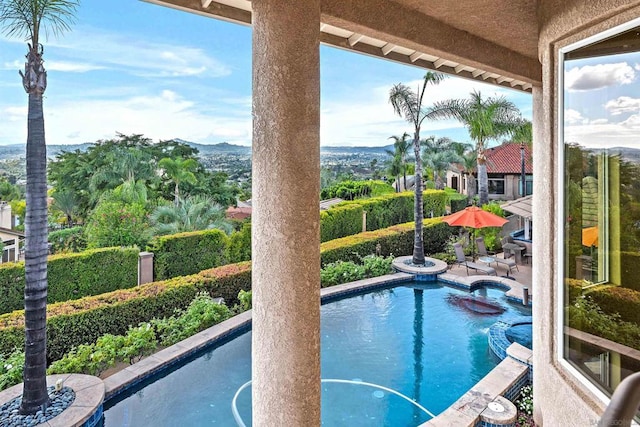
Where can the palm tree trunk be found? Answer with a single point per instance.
(418, 214)
(35, 395)
(483, 180)
(176, 193)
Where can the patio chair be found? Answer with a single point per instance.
(462, 260)
(482, 251)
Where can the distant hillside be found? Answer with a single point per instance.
(18, 150)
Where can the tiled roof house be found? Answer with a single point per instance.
(504, 168)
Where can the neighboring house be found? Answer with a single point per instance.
(504, 168)
(10, 238)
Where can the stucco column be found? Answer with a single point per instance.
(286, 214)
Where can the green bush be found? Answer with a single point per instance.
(585, 315)
(72, 276)
(350, 190)
(202, 313)
(239, 245)
(67, 240)
(340, 272)
(82, 321)
(11, 369)
(396, 240)
(188, 253)
(115, 223)
(614, 299)
(630, 270)
(458, 204)
(345, 219)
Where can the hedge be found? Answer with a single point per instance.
(187, 253)
(396, 240)
(614, 299)
(82, 321)
(72, 276)
(345, 219)
(630, 270)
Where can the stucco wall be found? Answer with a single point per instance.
(561, 399)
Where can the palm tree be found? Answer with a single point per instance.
(26, 18)
(469, 162)
(179, 170)
(408, 104)
(65, 202)
(190, 214)
(438, 155)
(394, 166)
(484, 119)
(401, 148)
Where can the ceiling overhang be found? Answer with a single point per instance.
(391, 33)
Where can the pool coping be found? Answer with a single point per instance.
(498, 382)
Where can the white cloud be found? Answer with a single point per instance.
(71, 67)
(573, 117)
(592, 77)
(623, 104)
(142, 56)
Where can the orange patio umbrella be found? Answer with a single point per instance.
(590, 236)
(474, 217)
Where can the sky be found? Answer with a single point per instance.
(132, 67)
(602, 101)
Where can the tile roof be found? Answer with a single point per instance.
(505, 158)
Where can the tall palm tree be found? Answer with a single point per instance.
(469, 162)
(401, 147)
(26, 18)
(485, 119)
(408, 104)
(179, 170)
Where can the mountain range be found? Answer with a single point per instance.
(18, 150)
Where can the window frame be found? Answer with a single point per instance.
(560, 204)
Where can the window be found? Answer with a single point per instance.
(601, 210)
(496, 185)
(528, 183)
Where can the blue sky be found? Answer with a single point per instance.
(133, 67)
(602, 101)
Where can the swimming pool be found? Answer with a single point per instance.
(414, 339)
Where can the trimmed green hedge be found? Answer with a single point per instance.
(614, 299)
(187, 253)
(396, 240)
(345, 219)
(82, 321)
(630, 270)
(74, 275)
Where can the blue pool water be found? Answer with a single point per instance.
(414, 339)
(521, 333)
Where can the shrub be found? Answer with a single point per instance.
(239, 245)
(345, 219)
(67, 240)
(396, 240)
(11, 368)
(115, 223)
(630, 270)
(72, 276)
(82, 321)
(350, 190)
(340, 272)
(187, 253)
(587, 316)
(202, 313)
(613, 299)
(457, 204)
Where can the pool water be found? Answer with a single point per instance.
(412, 339)
(521, 333)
